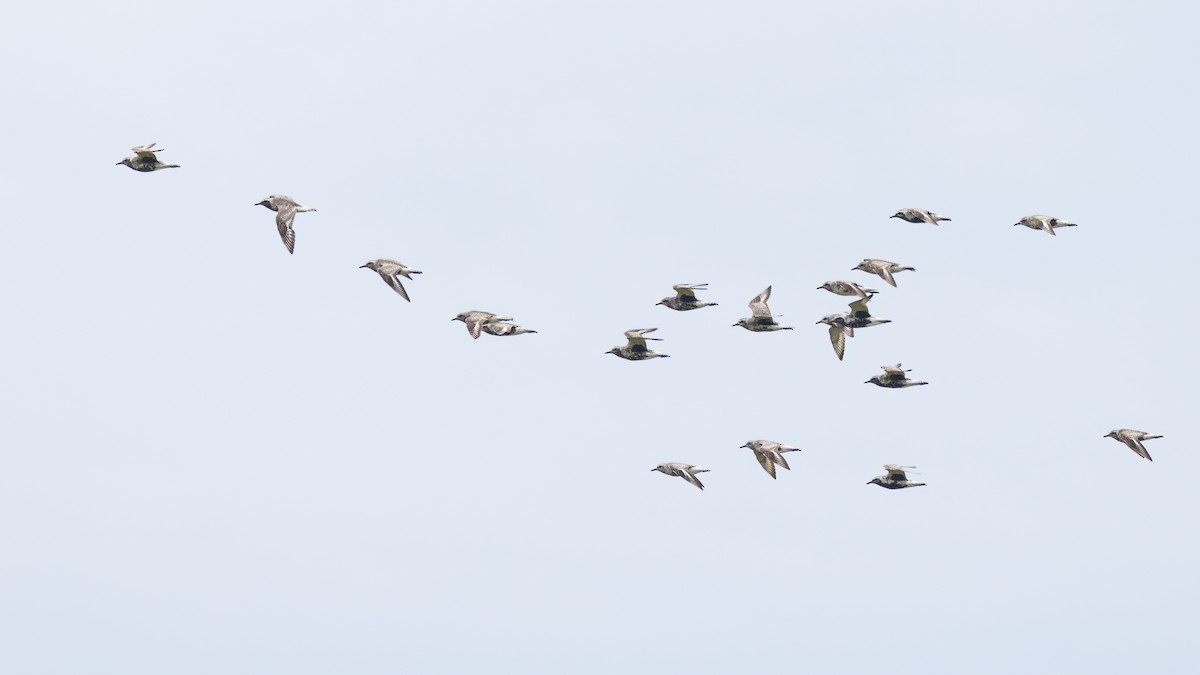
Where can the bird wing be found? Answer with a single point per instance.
(145, 152)
(758, 306)
(687, 475)
(474, 327)
(688, 291)
(896, 472)
(837, 335)
(858, 309)
(766, 462)
(394, 282)
(885, 272)
(283, 221)
(1136, 446)
(637, 338)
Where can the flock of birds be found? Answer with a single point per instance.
(841, 326)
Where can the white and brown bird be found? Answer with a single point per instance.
(761, 319)
(847, 288)
(683, 470)
(145, 160)
(1046, 224)
(895, 479)
(285, 209)
(635, 348)
(390, 271)
(1132, 438)
(685, 298)
(894, 377)
(841, 326)
(919, 216)
(504, 329)
(770, 454)
(884, 268)
(475, 320)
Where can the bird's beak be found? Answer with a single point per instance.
(869, 482)
(120, 163)
(362, 266)
(867, 382)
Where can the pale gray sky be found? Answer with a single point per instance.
(219, 458)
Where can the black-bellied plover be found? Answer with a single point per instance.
(841, 326)
(635, 349)
(503, 328)
(685, 298)
(769, 454)
(1046, 224)
(683, 470)
(895, 479)
(285, 209)
(476, 319)
(884, 268)
(894, 377)
(847, 288)
(390, 271)
(145, 160)
(919, 216)
(761, 320)
(1132, 438)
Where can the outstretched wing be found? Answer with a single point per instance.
(687, 475)
(766, 462)
(758, 306)
(687, 292)
(283, 221)
(837, 335)
(895, 472)
(858, 309)
(394, 282)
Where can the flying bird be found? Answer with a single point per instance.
(895, 479)
(1132, 438)
(635, 349)
(770, 454)
(919, 216)
(847, 288)
(390, 271)
(761, 320)
(475, 320)
(885, 269)
(145, 160)
(685, 298)
(285, 209)
(685, 471)
(841, 326)
(1046, 224)
(894, 377)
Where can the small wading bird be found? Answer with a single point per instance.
(685, 298)
(919, 216)
(895, 479)
(635, 349)
(683, 470)
(770, 454)
(847, 288)
(885, 269)
(760, 320)
(1132, 438)
(390, 271)
(145, 160)
(475, 321)
(1046, 224)
(894, 377)
(285, 209)
(841, 326)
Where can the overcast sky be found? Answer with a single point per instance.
(221, 458)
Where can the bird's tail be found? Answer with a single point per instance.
(910, 269)
(1150, 437)
(697, 469)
